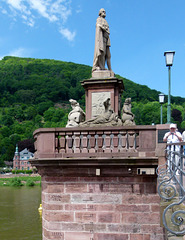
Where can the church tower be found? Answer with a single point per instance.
(16, 159)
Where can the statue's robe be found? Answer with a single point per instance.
(102, 41)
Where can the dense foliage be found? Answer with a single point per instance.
(18, 181)
(35, 93)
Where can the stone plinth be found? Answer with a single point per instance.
(97, 90)
(100, 74)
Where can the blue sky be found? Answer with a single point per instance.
(140, 32)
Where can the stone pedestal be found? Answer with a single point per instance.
(97, 90)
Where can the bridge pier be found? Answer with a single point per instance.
(99, 187)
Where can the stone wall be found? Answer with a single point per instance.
(78, 204)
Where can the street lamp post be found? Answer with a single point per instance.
(169, 62)
(161, 101)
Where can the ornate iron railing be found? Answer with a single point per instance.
(171, 188)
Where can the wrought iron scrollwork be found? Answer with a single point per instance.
(172, 191)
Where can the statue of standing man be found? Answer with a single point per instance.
(102, 43)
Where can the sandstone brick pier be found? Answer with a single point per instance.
(100, 183)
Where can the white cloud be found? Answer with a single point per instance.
(19, 52)
(68, 34)
(55, 11)
(15, 3)
(79, 9)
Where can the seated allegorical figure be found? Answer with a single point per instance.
(128, 116)
(107, 118)
(76, 116)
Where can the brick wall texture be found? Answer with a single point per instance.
(78, 205)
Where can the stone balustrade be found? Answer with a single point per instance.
(121, 142)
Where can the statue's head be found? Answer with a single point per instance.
(73, 102)
(127, 100)
(102, 12)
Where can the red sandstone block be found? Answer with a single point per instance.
(78, 236)
(148, 178)
(95, 187)
(150, 218)
(140, 237)
(52, 206)
(138, 179)
(109, 217)
(58, 216)
(91, 227)
(75, 207)
(114, 188)
(136, 189)
(155, 208)
(157, 237)
(98, 179)
(55, 179)
(146, 237)
(53, 188)
(75, 187)
(85, 217)
(141, 218)
(110, 236)
(136, 236)
(55, 235)
(133, 208)
(129, 218)
(150, 188)
(124, 228)
(59, 198)
(130, 179)
(152, 228)
(75, 171)
(141, 199)
(64, 227)
(103, 207)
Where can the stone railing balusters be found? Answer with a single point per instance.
(63, 141)
(131, 140)
(83, 142)
(115, 141)
(69, 142)
(76, 142)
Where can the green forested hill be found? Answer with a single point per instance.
(35, 93)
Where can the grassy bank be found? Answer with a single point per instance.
(18, 181)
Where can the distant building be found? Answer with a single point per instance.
(21, 159)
